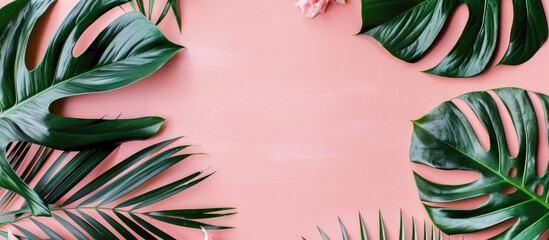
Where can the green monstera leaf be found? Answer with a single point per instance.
(408, 28)
(129, 49)
(445, 139)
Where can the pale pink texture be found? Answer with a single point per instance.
(310, 8)
(11, 236)
(303, 121)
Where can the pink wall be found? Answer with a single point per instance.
(302, 120)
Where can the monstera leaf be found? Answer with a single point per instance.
(128, 50)
(57, 185)
(382, 232)
(444, 139)
(408, 28)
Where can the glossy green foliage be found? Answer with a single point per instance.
(129, 49)
(115, 196)
(408, 29)
(382, 232)
(444, 139)
(139, 5)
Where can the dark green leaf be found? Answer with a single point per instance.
(50, 172)
(38, 161)
(133, 5)
(117, 169)
(5, 235)
(52, 234)
(177, 12)
(26, 232)
(138, 176)
(343, 230)
(414, 230)
(117, 226)
(18, 155)
(161, 234)
(136, 228)
(151, 8)
(382, 235)
(192, 213)
(128, 50)
(528, 33)
(74, 171)
(162, 193)
(402, 233)
(94, 233)
(141, 6)
(164, 12)
(78, 166)
(408, 29)
(98, 226)
(444, 139)
(363, 233)
(187, 223)
(12, 182)
(425, 232)
(322, 234)
(71, 228)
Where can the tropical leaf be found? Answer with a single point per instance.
(408, 29)
(139, 5)
(445, 139)
(382, 232)
(129, 49)
(72, 206)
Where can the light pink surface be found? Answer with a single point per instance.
(302, 120)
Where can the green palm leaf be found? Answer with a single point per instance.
(408, 29)
(444, 139)
(128, 50)
(170, 4)
(382, 232)
(73, 211)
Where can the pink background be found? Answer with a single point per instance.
(302, 120)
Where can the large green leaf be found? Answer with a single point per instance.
(408, 28)
(444, 139)
(129, 49)
(57, 185)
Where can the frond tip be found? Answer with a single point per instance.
(382, 233)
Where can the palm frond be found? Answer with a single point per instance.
(74, 209)
(382, 232)
(139, 5)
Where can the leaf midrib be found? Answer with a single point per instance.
(505, 178)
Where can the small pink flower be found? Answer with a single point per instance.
(310, 8)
